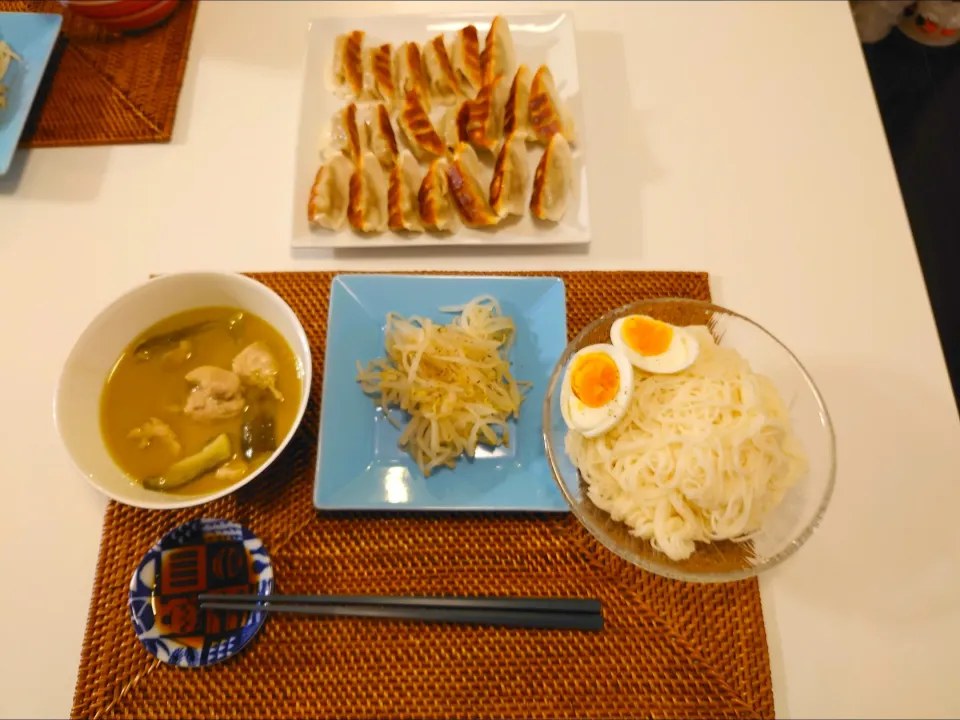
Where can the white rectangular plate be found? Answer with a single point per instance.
(539, 38)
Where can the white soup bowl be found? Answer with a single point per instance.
(77, 401)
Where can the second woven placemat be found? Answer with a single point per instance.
(104, 88)
(668, 650)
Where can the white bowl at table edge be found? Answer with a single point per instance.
(76, 406)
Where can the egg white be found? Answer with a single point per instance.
(591, 422)
(679, 355)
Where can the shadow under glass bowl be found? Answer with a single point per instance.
(787, 527)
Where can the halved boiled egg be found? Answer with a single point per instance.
(596, 389)
(654, 346)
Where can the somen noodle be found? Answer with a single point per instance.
(702, 455)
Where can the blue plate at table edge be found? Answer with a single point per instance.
(201, 531)
(32, 36)
(359, 465)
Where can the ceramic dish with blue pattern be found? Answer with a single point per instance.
(205, 555)
(359, 463)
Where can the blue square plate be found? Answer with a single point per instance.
(32, 37)
(360, 467)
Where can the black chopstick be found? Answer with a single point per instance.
(541, 605)
(502, 618)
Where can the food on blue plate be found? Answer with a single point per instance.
(436, 205)
(485, 123)
(367, 209)
(468, 192)
(7, 56)
(408, 73)
(453, 381)
(596, 389)
(552, 181)
(418, 130)
(508, 188)
(348, 135)
(196, 402)
(498, 57)
(402, 203)
(379, 65)
(653, 345)
(700, 455)
(348, 65)
(548, 114)
(465, 58)
(381, 139)
(516, 111)
(330, 194)
(441, 79)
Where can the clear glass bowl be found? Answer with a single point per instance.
(787, 527)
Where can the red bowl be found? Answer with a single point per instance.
(123, 14)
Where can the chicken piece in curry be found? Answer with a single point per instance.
(200, 400)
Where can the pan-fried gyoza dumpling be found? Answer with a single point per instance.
(380, 67)
(468, 193)
(347, 134)
(452, 127)
(348, 64)
(367, 210)
(441, 79)
(381, 140)
(508, 188)
(498, 57)
(485, 127)
(403, 207)
(548, 114)
(330, 194)
(419, 132)
(465, 58)
(516, 112)
(408, 73)
(553, 180)
(436, 206)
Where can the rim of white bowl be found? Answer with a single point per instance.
(192, 501)
(661, 569)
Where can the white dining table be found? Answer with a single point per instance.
(741, 139)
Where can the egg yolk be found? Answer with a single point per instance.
(595, 379)
(646, 335)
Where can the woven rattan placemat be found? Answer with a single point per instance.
(105, 88)
(668, 650)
